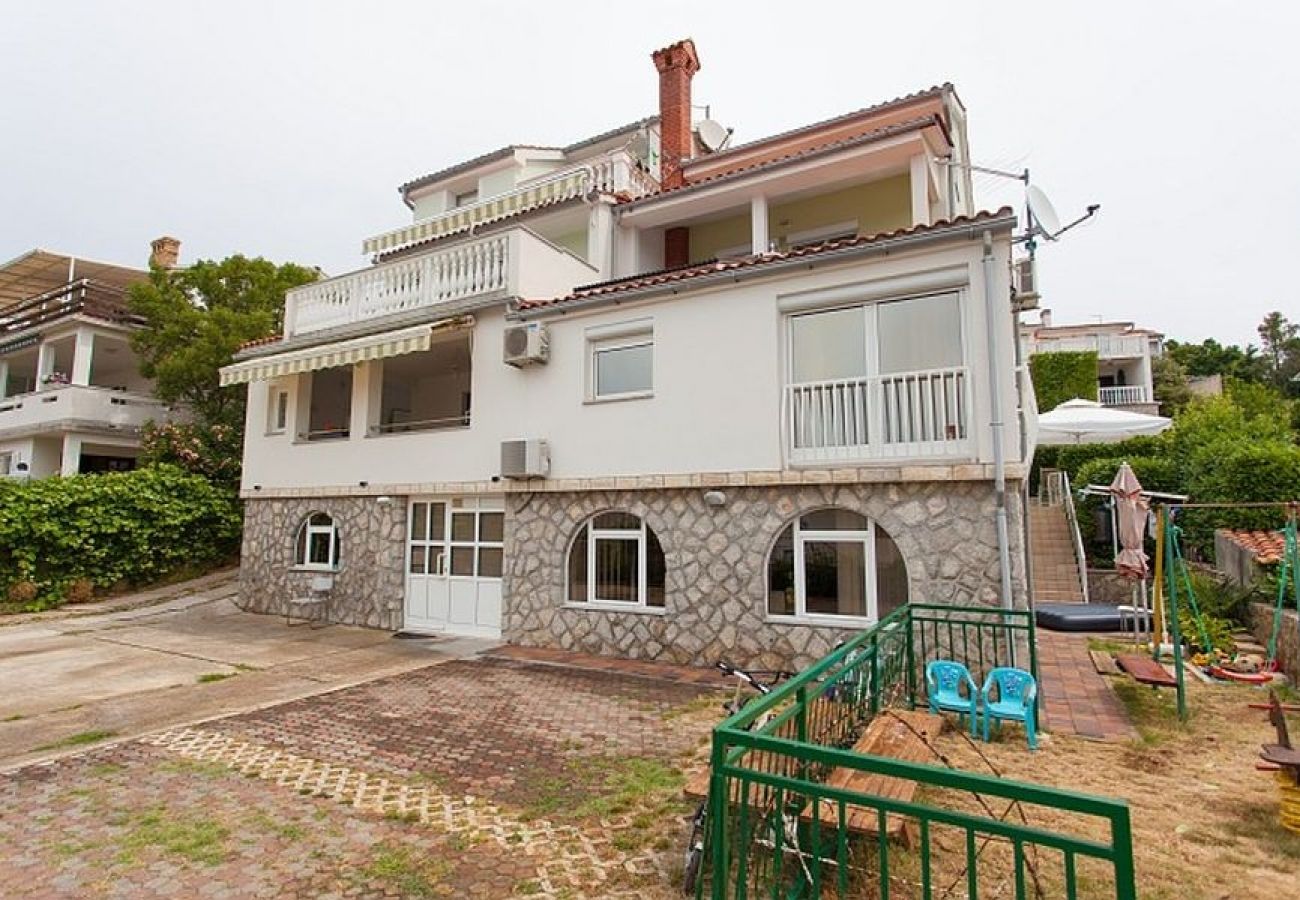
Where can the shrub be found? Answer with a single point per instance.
(115, 528)
(1155, 473)
(81, 590)
(1245, 473)
(1073, 457)
(213, 451)
(23, 593)
(1063, 376)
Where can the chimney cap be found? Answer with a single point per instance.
(679, 55)
(166, 252)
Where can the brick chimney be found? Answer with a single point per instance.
(677, 65)
(165, 254)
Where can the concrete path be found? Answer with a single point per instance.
(191, 657)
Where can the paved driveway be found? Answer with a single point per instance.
(479, 778)
(68, 681)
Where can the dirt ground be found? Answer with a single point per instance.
(1204, 820)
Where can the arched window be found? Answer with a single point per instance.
(835, 563)
(615, 559)
(317, 546)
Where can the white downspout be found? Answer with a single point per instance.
(995, 425)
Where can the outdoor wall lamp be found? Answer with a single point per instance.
(715, 498)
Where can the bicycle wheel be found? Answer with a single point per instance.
(694, 850)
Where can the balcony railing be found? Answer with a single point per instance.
(510, 263)
(1107, 346)
(613, 173)
(94, 406)
(1126, 395)
(83, 296)
(896, 416)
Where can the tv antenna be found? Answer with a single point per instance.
(1041, 219)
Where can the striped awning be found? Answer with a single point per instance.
(340, 353)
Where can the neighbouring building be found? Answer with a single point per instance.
(72, 399)
(653, 396)
(1124, 355)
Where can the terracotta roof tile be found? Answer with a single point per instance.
(258, 342)
(685, 273)
(1265, 546)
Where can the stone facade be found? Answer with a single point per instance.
(716, 559)
(370, 583)
(1288, 637)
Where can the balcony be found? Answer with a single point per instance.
(613, 173)
(909, 415)
(512, 263)
(84, 296)
(82, 406)
(1107, 346)
(1124, 395)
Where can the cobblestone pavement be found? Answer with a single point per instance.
(468, 779)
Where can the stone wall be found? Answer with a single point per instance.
(1288, 639)
(370, 582)
(716, 596)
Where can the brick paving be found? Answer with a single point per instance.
(415, 785)
(1075, 698)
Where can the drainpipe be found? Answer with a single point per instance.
(995, 425)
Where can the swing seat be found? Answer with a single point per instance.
(1145, 670)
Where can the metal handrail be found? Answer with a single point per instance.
(1072, 517)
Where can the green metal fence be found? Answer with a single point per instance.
(778, 828)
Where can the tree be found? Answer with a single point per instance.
(1212, 358)
(1281, 340)
(1169, 379)
(195, 319)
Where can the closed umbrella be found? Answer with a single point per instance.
(1088, 422)
(1131, 519)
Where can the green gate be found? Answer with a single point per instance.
(778, 829)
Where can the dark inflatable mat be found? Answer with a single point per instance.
(1082, 617)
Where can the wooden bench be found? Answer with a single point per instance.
(894, 734)
(1145, 670)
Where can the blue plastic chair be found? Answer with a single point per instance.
(1017, 695)
(943, 682)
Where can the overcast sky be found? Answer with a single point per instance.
(283, 129)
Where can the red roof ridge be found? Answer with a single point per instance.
(1265, 547)
(258, 342)
(684, 273)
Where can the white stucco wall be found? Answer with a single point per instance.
(718, 374)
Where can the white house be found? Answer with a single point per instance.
(1124, 356)
(72, 399)
(647, 397)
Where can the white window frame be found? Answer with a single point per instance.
(594, 534)
(623, 336)
(275, 424)
(6, 462)
(835, 232)
(803, 536)
(332, 529)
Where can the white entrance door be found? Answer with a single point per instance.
(453, 566)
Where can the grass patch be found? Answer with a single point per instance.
(601, 786)
(103, 770)
(707, 702)
(1110, 645)
(1258, 822)
(290, 831)
(16, 717)
(412, 876)
(209, 677)
(1153, 712)
(199, 840)
(78, 740)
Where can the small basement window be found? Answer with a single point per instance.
(317, 546)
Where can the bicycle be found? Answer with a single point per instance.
(699, 821)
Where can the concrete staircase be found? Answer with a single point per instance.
(1056, 571)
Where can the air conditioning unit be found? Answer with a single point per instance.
(1025, 277)
(525, 459)
(527, 344)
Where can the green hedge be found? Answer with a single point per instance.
(1242, 474)
(113, 529)
(1063, 376)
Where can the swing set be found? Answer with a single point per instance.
(1173, 587)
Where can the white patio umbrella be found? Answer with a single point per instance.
(1088, 422)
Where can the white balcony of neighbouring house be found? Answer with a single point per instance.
(81, 406)
(1123, 395)
(506, 264)
(1106, 346)
(618, 173)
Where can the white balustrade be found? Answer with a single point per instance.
(95, 405)
(900, 415)
(1106, 346)
(454, 273)
(1122, 395)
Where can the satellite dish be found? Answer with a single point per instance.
(1044, 214)
(639, 146)
(712, 135)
